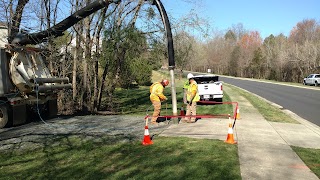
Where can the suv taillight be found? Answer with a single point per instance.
(221, 87)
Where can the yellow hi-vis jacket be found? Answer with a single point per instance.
(156, 92)
(193, 92)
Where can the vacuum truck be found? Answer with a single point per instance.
(26, 84)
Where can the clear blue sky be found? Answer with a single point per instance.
(266, 16)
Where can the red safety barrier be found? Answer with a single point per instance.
(196, 116)
(213, 102)
(207, 116)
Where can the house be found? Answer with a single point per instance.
(3, 34)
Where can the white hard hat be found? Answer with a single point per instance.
(189, 76)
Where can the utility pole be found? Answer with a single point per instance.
(166, 23)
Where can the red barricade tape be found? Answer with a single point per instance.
(196, 116)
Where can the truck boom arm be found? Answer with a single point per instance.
(58, 29)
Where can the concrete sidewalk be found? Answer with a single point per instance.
(263, 146)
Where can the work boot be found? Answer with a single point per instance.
(153, 123)
(183, 121)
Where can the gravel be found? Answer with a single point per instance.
(92, 127)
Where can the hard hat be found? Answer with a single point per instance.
(189, 76)
(165, 82)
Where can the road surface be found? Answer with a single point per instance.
(304, 102)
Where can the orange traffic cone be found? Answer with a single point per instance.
(238, 114)
(146, 140)
(230, 138)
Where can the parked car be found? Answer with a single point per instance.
(209, 87)
(312, 79)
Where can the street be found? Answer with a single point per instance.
(304, 102)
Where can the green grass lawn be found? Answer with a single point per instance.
(311, 157)
(269, 112)
(167, 158)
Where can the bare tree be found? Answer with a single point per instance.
(16, 16)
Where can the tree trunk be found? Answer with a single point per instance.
(87, 54)
(16, 20)
(104, 75)
(96, 60)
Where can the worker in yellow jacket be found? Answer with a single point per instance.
(156, 96)
(185, 89)
(192, 99)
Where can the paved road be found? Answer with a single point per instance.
(304, 102)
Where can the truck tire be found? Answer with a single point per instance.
(52, 109)
(4, 118)
(316, 83)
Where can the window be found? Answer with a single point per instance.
(206, 79)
